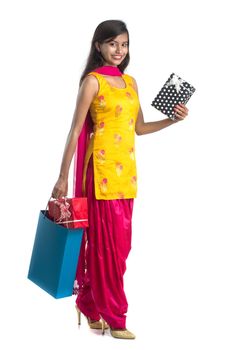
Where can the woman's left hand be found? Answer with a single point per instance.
(181, 111)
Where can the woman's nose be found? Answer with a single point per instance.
(118, 49)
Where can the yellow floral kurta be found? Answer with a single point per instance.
(114, 112)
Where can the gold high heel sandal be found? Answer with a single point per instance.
(122, 334)
(118, 333)
(92, 324)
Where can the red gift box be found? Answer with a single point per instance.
(69, 212)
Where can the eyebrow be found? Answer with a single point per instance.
(115, 41)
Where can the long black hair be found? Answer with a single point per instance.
(105, 32)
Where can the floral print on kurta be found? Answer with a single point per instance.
(114, 112)
(118, 110)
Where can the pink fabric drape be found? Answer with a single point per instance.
(102, 261)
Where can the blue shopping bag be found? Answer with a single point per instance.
(55, 256)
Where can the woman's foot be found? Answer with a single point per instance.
(122, 333)
(93, 324)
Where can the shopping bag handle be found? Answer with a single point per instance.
(65, 198)
(44, 215)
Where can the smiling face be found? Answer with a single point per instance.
(114, 51)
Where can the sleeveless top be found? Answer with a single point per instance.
(114, 112)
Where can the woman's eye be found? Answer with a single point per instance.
(115, 44)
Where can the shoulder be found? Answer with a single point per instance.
(132, 81)
(90, 83)
(127, 76)
(91, 79)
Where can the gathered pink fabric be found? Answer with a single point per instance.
(102, 261)
(109, 70)
(106, 243)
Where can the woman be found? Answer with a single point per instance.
(106, 118)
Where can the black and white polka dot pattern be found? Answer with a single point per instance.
(175, 90)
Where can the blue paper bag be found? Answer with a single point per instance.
(54, 257)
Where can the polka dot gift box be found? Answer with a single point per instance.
(175, 90)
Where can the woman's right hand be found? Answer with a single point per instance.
(60, 188)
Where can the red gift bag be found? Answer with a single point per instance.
(69, 212)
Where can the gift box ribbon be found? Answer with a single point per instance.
(177, 82)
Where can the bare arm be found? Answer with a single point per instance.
(143, 128)
(87, 92)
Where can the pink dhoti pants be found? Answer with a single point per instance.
(102, 261)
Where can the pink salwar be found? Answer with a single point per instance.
(102, 261)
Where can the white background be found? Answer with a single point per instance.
(179, 280)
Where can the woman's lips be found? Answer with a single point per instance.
(117, 57)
